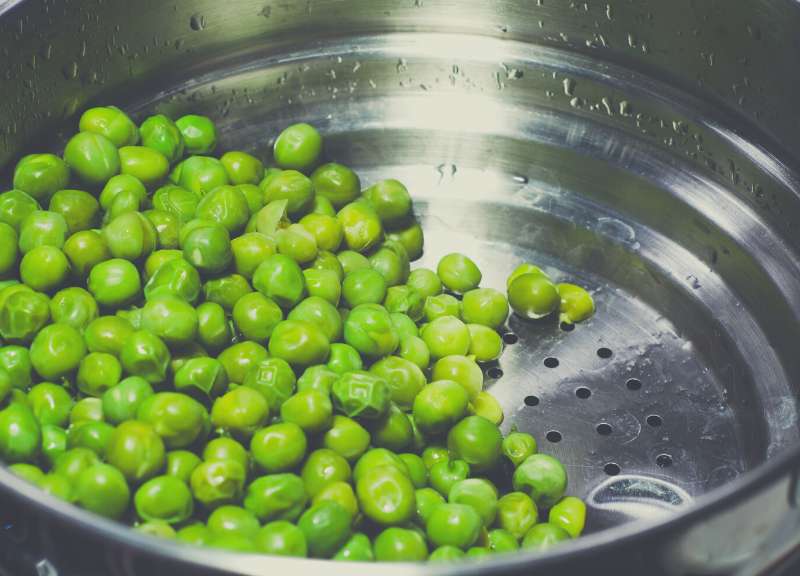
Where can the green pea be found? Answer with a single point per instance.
(9, 251)
(279, 447)
(391, 201)
(517, 446)
(107, 334)
(344, 358)
(326, 230)
(79, 209)
(477, 441)
(202, 378)
(441, 305)
(213, 330)
(158, 258)
(15, 206)
(218, 482)
(181, 464)
(351, 261)
(458, 273)
(357, 549)
(195, 534)
(570, 515)
(319, 378)
(240, 358)
(201, 174)
(249, 250)
(323, 467)
(121, 401)
(225, 205)
(73, 306)
(240, 412)
(337, 183)
(298, 147)
(338, 491)
(485, 344)
(478, 493)
(38, 176)
(27, 472)
(404, 300)
(412, 239)
(280, 278)
(417, 471)
(323, 284)
(445, 474)
(199, 133)
(320, 313)
(224, 448)
(166, 226)
(542, 477)
(124, 185)
(97, 373)
(425, 281)
(233, 542)
(346, 437)
(386, 496)
(404, 379)
(400, 545)
(525, 268)
(87, 409)
(175, 277)
(44, 268)
(276, 497)
(361, 226)
(461, 369)
(252, 194)
(576, 305)
(274, 379)
(291, 186)
(281, 538)
(299, 342)
(297, 243)
(149, 166)
(162, 135)
(42, 228)
(23, 313)
(92, 157)
(180, 202)
(136, 450)
(486, 406)
(102, 489)
(178, 419)
(114, 283)
(111, 122)
(360, 394)
(92, 435)
(485, 306)
(415, 350)
(20, 434)
(145, 354)
(446, 336)
(242, 168)
(57, 351)
(363, 286)
(233, 519)
(309, 409)
(85, 250)
(170, 318)
(369, 330)
(446, 554)
(393, 430)
(454, 525)
(516, 513)
(439, 405)
(322, 205)
(73, 462)
(533, 295)
(378, 458)
(271, 218)
(326, 527)
(544, 536)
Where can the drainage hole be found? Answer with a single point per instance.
(583, 393)
(494, 372)
(612, 469)
(553, 436)
(604, 352)
(567, 327)
(604, 429)
(551, 362)
(654, 420)
(510, 338)
(634, 384)
(531, 400)
(664, 460)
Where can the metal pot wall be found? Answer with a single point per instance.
(647, 149)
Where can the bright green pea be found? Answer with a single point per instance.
(281, 538)
(570, 515)
(458, 273)
(145, 354)
(242, 168)
(103, 489)
(425, 281)
(122, 184)
(446, 554)
(121, 401)
(133, 315)
(391, 260)
(74, 306)
(439, 405)
(297, 243)
(85, 250)
(162, 135)
(351, 261)
(201, 174)
(107, 334)
(461, 369)
(225, 205)
(386, 496)
(276, 497)
(224, 448)
(180, 202)
(454, 525)
(357, 549)
(57, 351)
(177, 418)
(299, 342)
(378, 458)
(111, 122)
(136, 450)
(23, 313)
(73, 462)
(206, 245)
(170, 318)
(90, 409)
(232, 542)
(360, 394)
(202, 378)
(213, 330)
(544, 536)
(337, 183)
(240, 412)
(166, 226)
(478, 493)
(344, 358)
(393, 430)
(361, 225)
(279, 447)
(446, 336)
(42, 228)
(309, 409)
(15, 206)
(218, 482)
(416, 469)
(280, 278)
(326, 526)
(516, 513)
(404, 300)
(446, 474)
(44, 268)
(181, 464)
(412, 239)
(477, 441)
(533, 295)
(427, 499)
(6, 386)
(27, 472)
(326, 230)
(323, 284)
(415, 350)
(199, 133)
(240, 358)
(542, 477)
(97, 372)
(363, 286)
(517, 446)
(319, 378)
(40, 176)
(524, 268)
(369, 329)
(114, 283)
(165, 499)
(404, 379)
(249, 250)
(485, 344)
(391, 201)
(175, 277)
(149, 166)
(274, 379)
(227, 290)
(485, 306)
(158, 258)
(400, 545)
(298, 147)
(271, 218)
(486, 406)
(253, 196)
(405, 326)
(79, 209)
(92, 157)
(441, 305)
(130, 236)
(346, 437)
(92, 435)
(576, 305)
(20, 434)
(291, 186)
(195, 534)
(57, 486)
(322, 205)
(323, 467)
(320, 313)
(233, 519)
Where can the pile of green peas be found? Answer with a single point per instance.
(241, 357)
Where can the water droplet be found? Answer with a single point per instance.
(577, 102)
(540, 2)
(693, 281)
(632, 41)
(402, 65)
(609, 12)
(607, 104)
(624, 108)
(519, 178)
(569, 86)
(356, 66)
(372, 83)
(197, 22)
(70, 71)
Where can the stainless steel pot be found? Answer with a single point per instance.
(646, 149)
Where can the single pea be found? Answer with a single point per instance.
(326, 526)
(181, 464)
(533, 296)
(57, 351)
(166, 226)
(214, 331)
(318, 377)
(180, 202)
(309, 409)
(145, 354)
(400, 545)
(42, 228)
(326, 231)
(441, 305)
(461, 369)
(542, 477)
(93, 158)
(170, 318)
(405, 326)
(225, 205)
(202, 378)
(346, 437)
(477, 441)
(458, 273)
(393, 430)
(240, 358)
(249, 250)
(352, 261)
(378, 458)
(416, 469)
(240, 412)
(427, 499)
(201, 174)
(280, 278)
(323, 467)
(569, 513)
(281, 538)
(92, 435)
(323, 284)
(195, 534)
(404, 379)
(40, 176)
(391, 260)
(15, 206)
(217, 482)
(158, 258)
(516, 514)
(226, 290)
(544, 536)
(224, 448)
(279, 447)
(146, 164)
(444, 475)
(85, 250)
(415, 350)
(446, 336)
(485, 344)
(199, 133)
(136, 450)
(454, 525)
(299, 342)
(175, 277)
(296, 242)
(242, 168)
(114, 283)
(79, 209)
(322, 206)
(486, 406)
(20, 434)
(44, 268)
(87, 409)
(404, 300)
(54, 443)
(206, 246)
(161, 134)
(386, 496)
(23, 313)
(337, 183)
(485, 306)
(439, 405)
(107, 334)
(97, 373)
(298, 147)
(177, 418)
(102, 489)
(291, 186)
(73, 462)
(233, 520)
(328, 261)
(274, 379)
(411, 237)
(361, 225)
(446, 554)
(357, 549)
(363, 286)
(127, 186)
(517, 446)
(276, 497)
(27, 472)
(576, 305)
(478, 493)
(320, 313)
(111, 122)
(74, 306)
(391, 200)
(362, 395)
(525, 268)
(369, 330)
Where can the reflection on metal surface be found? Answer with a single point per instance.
(636, 497)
